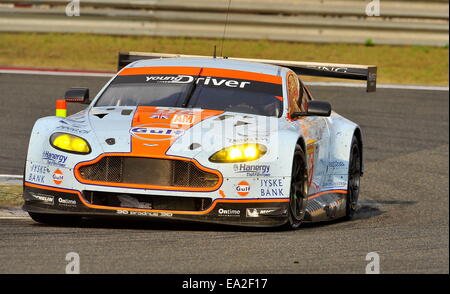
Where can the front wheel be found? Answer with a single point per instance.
(299, 189)
(55, 219)
(354, 179)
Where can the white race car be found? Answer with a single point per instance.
(197, 138)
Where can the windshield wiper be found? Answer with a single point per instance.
(191, 90)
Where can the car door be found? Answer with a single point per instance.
(315, 131)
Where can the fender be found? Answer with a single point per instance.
(342, 131)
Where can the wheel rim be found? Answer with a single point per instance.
(299, 185)
(354, 178)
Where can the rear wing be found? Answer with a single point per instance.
(331, 70)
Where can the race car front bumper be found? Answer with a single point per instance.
(242, 212)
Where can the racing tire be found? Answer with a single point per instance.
(354, 179)
(299, 190)
(55, 219)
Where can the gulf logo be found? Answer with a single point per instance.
(243, 188)
(156, 132)
(58, 177)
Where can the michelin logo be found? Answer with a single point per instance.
(54, 159)
(252, 170)
(45, 199)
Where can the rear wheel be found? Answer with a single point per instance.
(354, 179)
(299, 189)
(55, 219)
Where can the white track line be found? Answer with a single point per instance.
(12, 177)
(56, 73)
(324, 84)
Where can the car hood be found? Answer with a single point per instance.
(159, 131)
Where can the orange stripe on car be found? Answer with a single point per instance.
(143, 186)
(327, 192)
(155, 129)
(206, 72)
(156, 210)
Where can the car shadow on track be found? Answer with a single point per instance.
(367, 209)
(166, 225)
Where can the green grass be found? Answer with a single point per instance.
(11, 196)
(396, 64)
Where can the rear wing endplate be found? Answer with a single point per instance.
(330, 70)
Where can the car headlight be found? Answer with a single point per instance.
(70, 143)
(239, 153)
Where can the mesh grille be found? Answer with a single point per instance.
(148, 171)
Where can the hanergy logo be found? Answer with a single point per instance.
(156, 132)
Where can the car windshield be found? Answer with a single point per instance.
(205, 92)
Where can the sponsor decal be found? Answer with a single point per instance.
(159, 116)
(183, 119)
(156, 132)
(335, 182)
(331, 68)
(251, 170)
(272, 187)
(162, 113)
(310, 150)
(243, 188)
(58, 177)
(252, 139)
(37, 173)
(66, 202)
(180, 79)
(205, 81)
(54, 158)
(257, 212)
(72, 130)
(74, 123)
(36, 178)
(45, 199)
(40, 169)
(229, 212)
(144, 213)
(336, 164)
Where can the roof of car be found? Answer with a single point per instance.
(211, 63)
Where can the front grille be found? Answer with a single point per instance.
(154, 202)
(148, 171)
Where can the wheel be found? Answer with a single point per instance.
(299, 189)
(55, 219)
(354, 179)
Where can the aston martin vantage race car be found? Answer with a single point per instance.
(195, 138)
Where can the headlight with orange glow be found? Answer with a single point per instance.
(70, 143)
(239, 153)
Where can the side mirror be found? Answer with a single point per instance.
(315, 108)
(79, 95)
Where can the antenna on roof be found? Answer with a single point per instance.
(225, 27)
